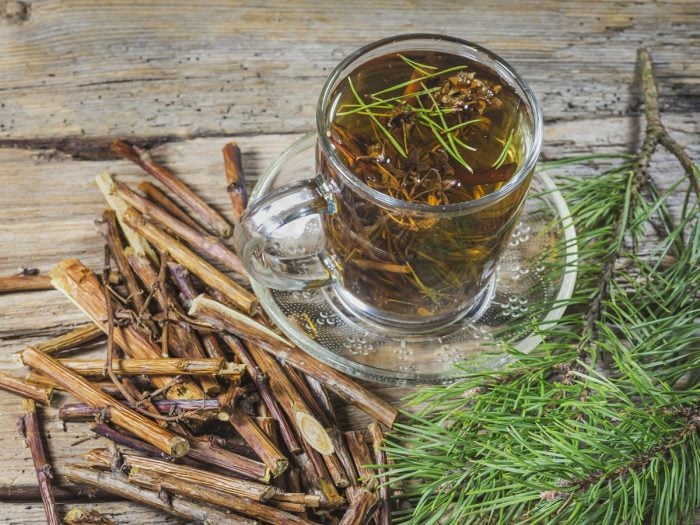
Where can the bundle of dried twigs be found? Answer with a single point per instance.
(202, 418)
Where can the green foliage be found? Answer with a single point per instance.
(602, 426)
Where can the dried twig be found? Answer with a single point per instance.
(62, 494)
(186, 294)
(375, 431)
(126, 440)
(361, 457)
(246, 506)
(207, 451)
(181, 507)
(118, 413)
(24, 282)
(187, 475)
(160, 366)
(228, 319)
(181, 341)
(108, 229)
(160, 198)
(234, 179)
(200, 209)
(261, 379)
(29, 428)
(222, 317)
(81, 411)
(203, 243)
(26, 389)
(361, 506)
(256, 439)
(74, 338)
(241, 297)
(294, 405)
(105, 183)
(82, 287)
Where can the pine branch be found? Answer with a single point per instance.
(656, 132)
(565, 437)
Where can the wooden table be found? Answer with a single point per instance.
(188, 76)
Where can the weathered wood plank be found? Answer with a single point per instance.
(71, 71)
(74, 76)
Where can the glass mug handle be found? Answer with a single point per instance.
(253, 237)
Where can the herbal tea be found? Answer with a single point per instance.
(434, 129)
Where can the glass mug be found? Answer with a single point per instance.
(402, 266)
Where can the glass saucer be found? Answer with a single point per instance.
(524, 294)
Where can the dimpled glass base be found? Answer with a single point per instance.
(323, 324)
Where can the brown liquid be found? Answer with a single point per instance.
(452, 137)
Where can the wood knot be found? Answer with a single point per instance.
(14, 12)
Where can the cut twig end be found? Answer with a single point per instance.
(313, 432)
(179, 447)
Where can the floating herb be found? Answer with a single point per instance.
(424, 128)
(504, 152)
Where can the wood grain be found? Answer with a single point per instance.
(192, 76)
(181, 69)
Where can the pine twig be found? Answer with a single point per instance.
(564, 437)
(656, 132)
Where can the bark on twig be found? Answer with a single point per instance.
(203, 243)
(361, 506)
(257, 440)
(118, 413)
(82, 287)
(261, 379)
(187, 475)
(200, 209)
(234, 179)
(175, 505)
(361, 457)
(160, 198)
(380, 458)
(245, 506)
(83, 412)
(30, 429)
(22, 388)
(74, 338)
(241, 297)
(24, 283)
(159, 366)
